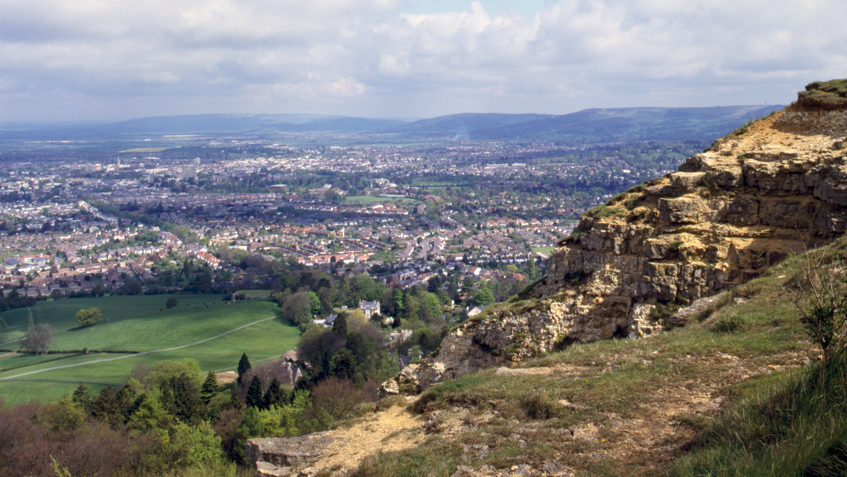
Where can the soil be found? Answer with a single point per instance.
(394, 429)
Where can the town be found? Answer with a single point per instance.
(123, 222)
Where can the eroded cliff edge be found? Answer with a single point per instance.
(772, 188)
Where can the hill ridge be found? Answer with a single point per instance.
(773, 188)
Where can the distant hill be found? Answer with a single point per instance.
(468, 125)
(251, 123)
(593, 125)
(583, 127)
(202, 124)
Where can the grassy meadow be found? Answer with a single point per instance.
(367, 199)
(136, 324)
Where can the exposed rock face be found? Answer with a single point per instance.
(276, 457)
(729, 213)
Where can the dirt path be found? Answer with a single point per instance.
(394, 429)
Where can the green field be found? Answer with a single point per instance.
(371, 199)
(146, 149)
(139, 324)
(254, 293)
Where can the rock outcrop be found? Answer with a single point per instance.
(772, 188)
(276, 457)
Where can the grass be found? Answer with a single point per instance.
(146, 149)
(825, 94)
(790, 426)
(605, 211)
(622, 385)
(546, 250)
(137, 324)
(254, 293)
(372, 199)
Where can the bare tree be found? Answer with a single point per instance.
(820, 294)
(39, 339)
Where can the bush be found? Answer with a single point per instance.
(88, 317)
(605, 211)
(539, 405)
(728, 324)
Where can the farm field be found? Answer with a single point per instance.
(136, 323)
(371, 199)
(254, 293)
(146, 149)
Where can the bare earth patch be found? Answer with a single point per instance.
(394, 429)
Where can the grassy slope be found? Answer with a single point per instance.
(637, 407)
(135, 323)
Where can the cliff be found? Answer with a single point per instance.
(774, 187)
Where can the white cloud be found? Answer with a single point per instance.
(368, 57)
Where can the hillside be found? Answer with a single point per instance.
(631, 124)
(696, 264)
(607, 408)
(589, 126)
(774, 187)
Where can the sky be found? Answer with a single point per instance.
(95, 60)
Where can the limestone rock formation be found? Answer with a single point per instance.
(772, 188)
(277, 457)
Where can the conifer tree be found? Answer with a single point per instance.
(243, 366)
(210, 387)
(82, 396)
(340, 325)
(254, 393)
(274, 396)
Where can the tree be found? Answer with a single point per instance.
(430, 308)
(483, 297)
(210, 387)
(38, 340)
(297, 308)
(254, 393)
(172, 302)
(343, 364)
(243, 366)
(88, 317)
(340, 325)
(530, 266)
(181, 398)
(275, 395)
(315, 302)
(82, 396)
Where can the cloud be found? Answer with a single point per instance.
(370, 58)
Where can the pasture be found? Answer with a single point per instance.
(368, 199)
(137, 324)
(254, 293)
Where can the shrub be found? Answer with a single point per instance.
(728, 324)
(540, 405)
(604, 211)
(820, 295)
(88, 317)
(633, 201)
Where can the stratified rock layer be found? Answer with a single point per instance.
(756, 196)
(276, 457)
